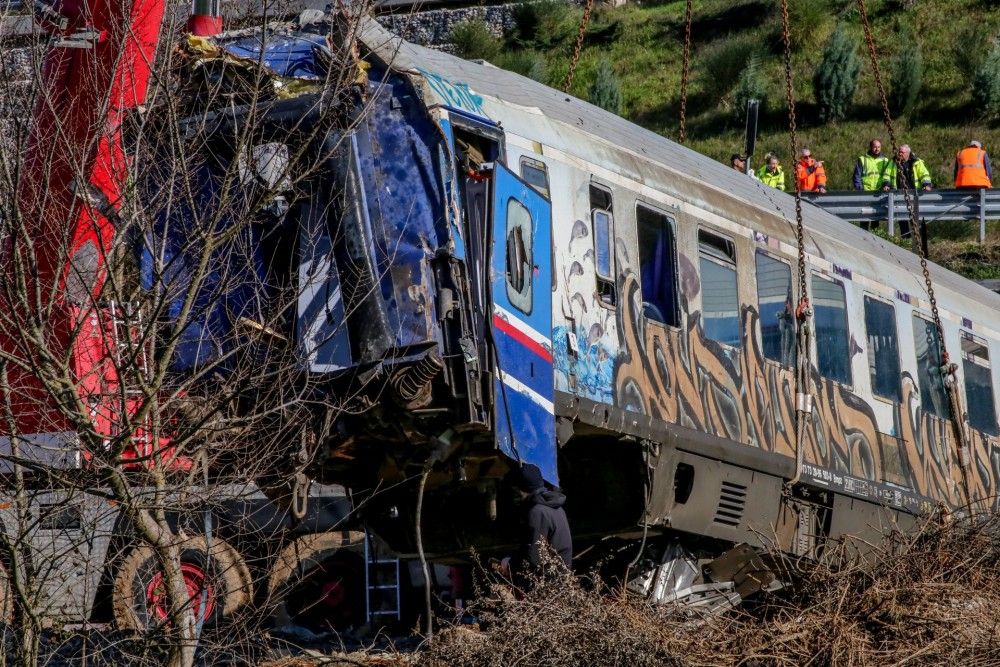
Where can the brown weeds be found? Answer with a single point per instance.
(932, 599)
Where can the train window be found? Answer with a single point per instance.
(927, 343)
(657, 266)
(720, 301)
(535, 174)
(978, 384)
(776, 306)
(604, 242)
(833, 351)
(883, 349)
(519, 255)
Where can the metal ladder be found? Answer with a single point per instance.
(127, 323)
(381, 584)
(131, 360)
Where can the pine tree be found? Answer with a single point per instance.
(751, 85)
(605, 91)
(986, 83)
(907, 76)
(836, 78)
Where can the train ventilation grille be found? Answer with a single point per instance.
(732, 503)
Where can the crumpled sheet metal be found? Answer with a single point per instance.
(295, 62)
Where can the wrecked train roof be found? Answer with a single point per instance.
(829, 237)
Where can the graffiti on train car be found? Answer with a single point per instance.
(680, 376)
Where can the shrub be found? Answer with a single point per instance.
(969, 48)
(986, 84)
(836, 78)
(751, 85)
(723, 61)
(543, 23)
(606, 91)
(473, 39)
(906, 77)
(525, 62)
(806, 22)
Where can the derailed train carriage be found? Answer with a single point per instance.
(492, 272)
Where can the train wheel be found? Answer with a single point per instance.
(318, 582)
(219, 577)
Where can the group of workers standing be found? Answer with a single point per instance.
(874, 172)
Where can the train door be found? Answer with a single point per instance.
(521, 326)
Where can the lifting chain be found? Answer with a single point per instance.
(947, 369)
(579, 45)
(685, 72)
(803, 379)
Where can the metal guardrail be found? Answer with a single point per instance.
(981, 205)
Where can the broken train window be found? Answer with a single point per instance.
(927, 343)
(883, 349)
(833, 350)
(519, 255)
(603, 221)
(776, 309)
(657, 266)
(978, 384)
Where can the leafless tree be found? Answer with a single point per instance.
(163, 364)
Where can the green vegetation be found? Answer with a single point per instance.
(986, 83)
(472, 39)
(836, 78)
(751, 85)
(605, 91)
(907, 77)
(644, 45)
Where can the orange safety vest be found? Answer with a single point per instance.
(810, 175)
(971, 172)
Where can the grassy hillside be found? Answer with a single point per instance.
(644, 45)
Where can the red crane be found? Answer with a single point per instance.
(96, 71)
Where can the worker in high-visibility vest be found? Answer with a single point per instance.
(915, 174)
(869, 169)
(770, 173)
(973, 168)
(810, 176)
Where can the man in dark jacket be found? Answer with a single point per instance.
(546, 520)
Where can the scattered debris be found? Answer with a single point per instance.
(932, 599)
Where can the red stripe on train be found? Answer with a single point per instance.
(521, 337)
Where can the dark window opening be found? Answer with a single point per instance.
(720, 301)
(776, 306)
(978, 384)
(535, 174)
(927, 343)
(833, 350)
(718, 247)
(883, 349)
(657, 266)
(519, 255)
(602, 218)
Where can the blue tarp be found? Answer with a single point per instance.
(283, 55)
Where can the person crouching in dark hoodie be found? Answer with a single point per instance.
(545, 521)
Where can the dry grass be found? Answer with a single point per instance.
(931, 600)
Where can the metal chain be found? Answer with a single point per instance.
(685, 72)
(946, 368)
(793, 145)
(579, 45)
(887, 119)
(803, 379)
